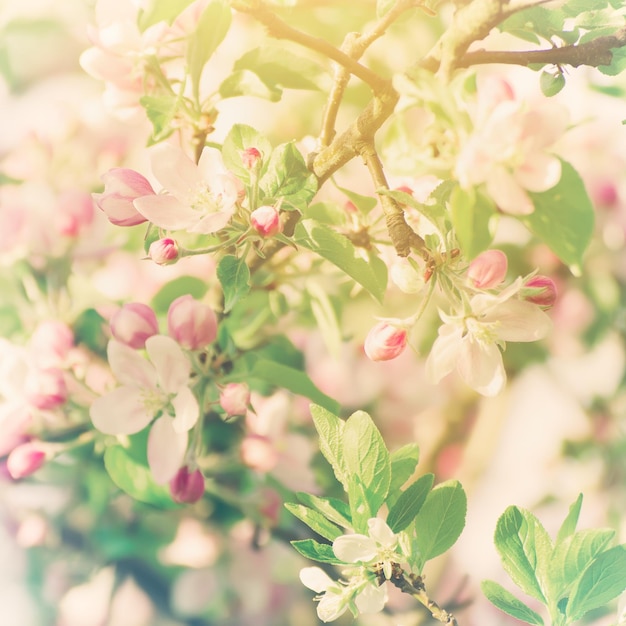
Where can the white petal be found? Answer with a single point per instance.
(331, 606)
(519, 320)
(171, 363)
(372, 599)
(211, 223)
(444, 353)
(186, 410)
(176, 172)
(167, 212)
(130, 367)
(316, 578)
(539, 173)
(166, 450)
(355, 548)
(480, 366)
(121, 412)
(507, 193)
(381, 533)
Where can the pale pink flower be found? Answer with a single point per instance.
(26, 459)
(235, 398)
(133, 324)
(74, 212)
(259, 453)
(156, 388)
(471, 341)
(199, 198)
(508, 151)
(45, 388)
(488, 269)
(121, 187)
(192, 323)
(266, 221)
(385, 342)
(51, 342)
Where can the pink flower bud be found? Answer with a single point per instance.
(385, 342)
(251, 158)
(258, 453)
(122, 187)
(46, 389)
(163, 251)
(235, 398)
(266, 221)
(488, 269)
(26, 459)
(74, 212)
(192, 324)
(540, 290)
(187, 487)
(51, 343)
(133, 324)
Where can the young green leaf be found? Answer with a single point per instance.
(525, 550)
(441, 519)
(568, 526)
(334, 510)
(551, 83)
(360, 508)
(247, 83)
(234, 276)
(314, 520)
(363, 203)
(315, 551)
(160, 110)
(471, 215)
(330, 430)
(160, 11)
(340, 251)
(507, 602)
(240, 138)
(366, 456)
(409, 503)
(603, 580)
(403, 464)
(180, 286)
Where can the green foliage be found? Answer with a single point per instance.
(578, 574)
(240, 138)
(161, 11)
(551, 83)
(334, 510)
(315, 551)
(181, 286)
(471, 214)
(161, 111)
(314, 520)
(409, 503)
(234, 276)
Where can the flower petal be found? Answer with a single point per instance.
(381, 533)
(186, 410)
(212, 222)
(331, 606)
(519, 320)
(171, 363)
(130, 367)
(507, 193)
(166, 450)
(539, 173)
(121, 412)
(480, 366)
(167, 212)
(176, 172)
(372, 599)
(444, 353)
(316, 578)
(355, 548)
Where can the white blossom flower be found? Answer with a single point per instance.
(471, 341)
(150, 389)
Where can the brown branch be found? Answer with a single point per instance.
(281, 30)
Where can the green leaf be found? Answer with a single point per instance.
(88, 330)
(602, 581)
(240, 138)
(315, 551)
(563, 217)
(181, 286)
(325, 317)
(409, 503)
(278, 68)
(247, 83)
(340, 251)
(161, 11)
(160, 110)
(572, 556)
(403, 464)
(360, 509)
(366, 455)
(314, 520)
(234, 276)
(507, 602)
(363, 203)
(617, 65)
(209, 32)
(135, 478)
(551, 83)
(569, 523)
(471, 215)
(291, 379)
(330, 430)
(525, 549)
(441, 519)
(334, 510)
(288, 177)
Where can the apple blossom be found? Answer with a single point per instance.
(187, 487)
(540, 290)
(51, 343)
(45, 388)
(133, 324)
(471, 340)
(259, 453)
(199, 198)
(235, 398)
(192, 323)
(159, 389)
(266, 221)
(488, 269)
(163, 251)
(26, 459)
(385, 342)
(122, 186)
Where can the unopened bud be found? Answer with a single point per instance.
(26, 459)
(250, 157)
(46, 388)
(266, 221)
(191, 323)
(235, 398)
(51, 342)
(540, 290)
(385, 342)
(488, 269)
(133, 324)
(122, 186)
(187, 487)
(163, 251)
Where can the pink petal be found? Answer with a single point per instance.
(211, 223)
(167, 212)
(176, 172)
(121, 412)
(539, 173)
(166, 450)
(172, 366)
(507, 193)
(130, 367)
(186, 410)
